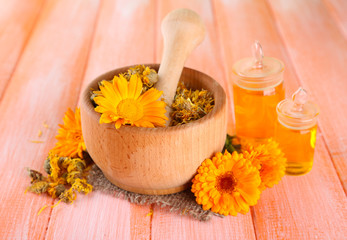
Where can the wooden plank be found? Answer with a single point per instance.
(168, 225)
(208, 59)
(140, 222)
(17, 19)
(289, 210)
(338, 9)
(124, 36)
(318, 52)
(46, 81)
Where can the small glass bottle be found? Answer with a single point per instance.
(296, 131)
(258, 88)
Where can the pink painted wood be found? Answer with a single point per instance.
(17, 20)
(337, 9)
(50, 50)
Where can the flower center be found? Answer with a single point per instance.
(130, 109)
(226, 183)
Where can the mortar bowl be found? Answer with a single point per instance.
(155, 161)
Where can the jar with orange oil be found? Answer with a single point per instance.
(296, 130)
(258, 88)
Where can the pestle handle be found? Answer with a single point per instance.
(183, 30)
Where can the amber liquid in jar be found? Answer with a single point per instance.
(255, 111)
(298, 147)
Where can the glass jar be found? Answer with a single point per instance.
(296, 130)
(258, 88)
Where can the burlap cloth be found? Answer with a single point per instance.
(182, 203)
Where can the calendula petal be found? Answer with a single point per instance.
(135, 87)
(122, 85)
(147, 97)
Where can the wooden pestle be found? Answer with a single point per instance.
(183, 30)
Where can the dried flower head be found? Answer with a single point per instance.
(147, 75)
(66, 176)
(269, 160)
(121, 102)
(35, 175)
(227, 184)
(38, 187)
(70, 139)
(190, 105)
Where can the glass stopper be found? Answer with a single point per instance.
(258, 55)
(300, 98)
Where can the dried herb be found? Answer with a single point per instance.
(190, 105)
(147, 75)
(35, 175)
(65, 176)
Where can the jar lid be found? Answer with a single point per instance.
(298, 112)
(258, 72)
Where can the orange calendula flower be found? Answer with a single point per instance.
(269, 160)
(227, 184)
(121, 102)
(70, 140)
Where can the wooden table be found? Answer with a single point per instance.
(50, 50)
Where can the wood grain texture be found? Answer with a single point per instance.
(117, 43)
(17, 19)
(140, 222)
(252, 20)
(166, 225)
(337, 9)
(207, 58)
(320, 65)
(46, 81)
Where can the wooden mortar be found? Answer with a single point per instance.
(155, 160)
